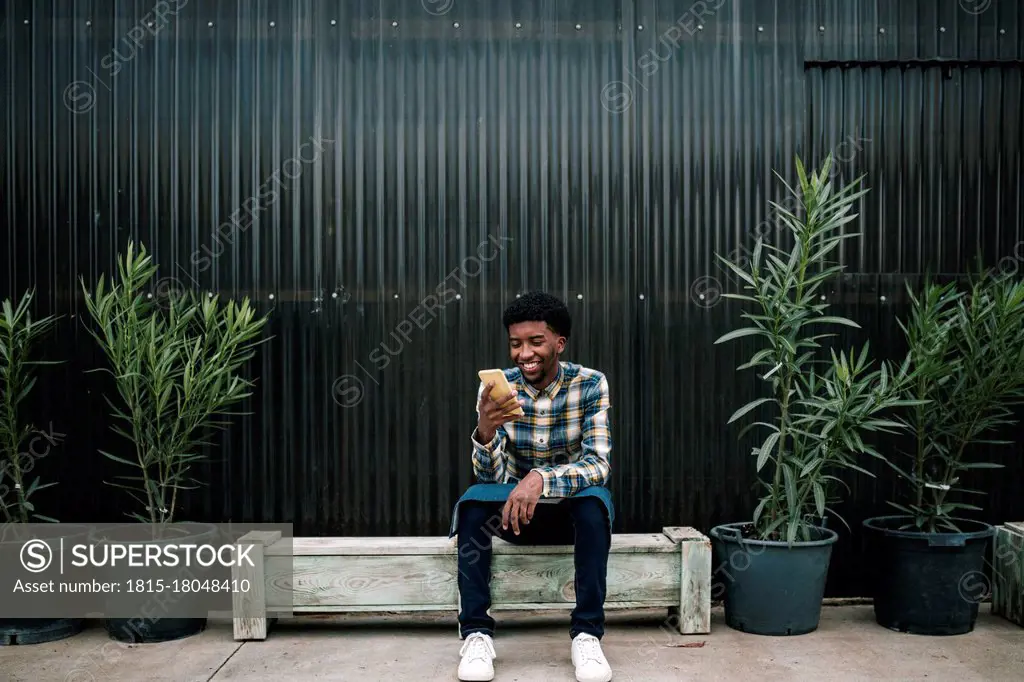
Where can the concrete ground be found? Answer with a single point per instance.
(847, 646)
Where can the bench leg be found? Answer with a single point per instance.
(693, 615)
(249, 608)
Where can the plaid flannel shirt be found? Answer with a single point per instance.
(565, 436)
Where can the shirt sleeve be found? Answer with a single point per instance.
(593, 467)
(489, 460)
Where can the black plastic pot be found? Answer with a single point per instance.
(37, 630)
(151, 626)
(17, 631)
(770, 587)
(145, 630)
(927, 583)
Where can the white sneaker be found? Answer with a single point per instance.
(591, 665)
(477, 653)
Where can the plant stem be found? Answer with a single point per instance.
(10, 415)
(22, 509)
(919, 469)
(784, 421)
(787, 385)
(947, 479)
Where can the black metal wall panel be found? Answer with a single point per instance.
(384, 177)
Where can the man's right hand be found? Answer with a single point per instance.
(494, 412)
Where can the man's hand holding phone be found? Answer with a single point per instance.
(495, 411)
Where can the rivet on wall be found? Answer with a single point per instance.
(458, 297)
(700, 27)
(882, 299)
(394, 24)
(518, 25)
(821, 29)
(456, 24)
(641, 297)
(209, 294)
(760, 29)
(334, 22)
(881, 30)
(640, 27)
(1002, 31)
(822, 297)
(396, 296)
(273, 24)
(26, 22)
(88, 23)
(210, 24)
(271, 297)
(334, 295)
(579, 297)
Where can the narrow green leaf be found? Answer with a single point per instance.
(766, 449)
(739, 333)
(748, 407)
(819, 498)
(827, 319)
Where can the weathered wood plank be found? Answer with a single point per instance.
(622, 543)
(249, 608)
(361, 580)
(356, 546)
(682, 533)
(321, 581)
(695, 587)
(527, 579)
(412, 608)
(1008, 573)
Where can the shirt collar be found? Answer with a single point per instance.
(551, 390)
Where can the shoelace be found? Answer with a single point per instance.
(477, 647)
(589, 649)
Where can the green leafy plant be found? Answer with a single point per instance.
(967, 348)
(176, 371)
(822, 405)
(18, 335)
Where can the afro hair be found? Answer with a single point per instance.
(537, 306)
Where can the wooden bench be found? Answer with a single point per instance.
(307, 575)
(1008, 572)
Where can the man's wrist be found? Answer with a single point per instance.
(483, 438)
(539, 480)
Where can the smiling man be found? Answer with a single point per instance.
(542, 479)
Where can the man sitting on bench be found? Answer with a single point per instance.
(541, 480)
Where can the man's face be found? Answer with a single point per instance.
(535, 348)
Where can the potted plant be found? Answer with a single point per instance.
(19, 334)
(177, 365)
(821, 406)
(966, 344)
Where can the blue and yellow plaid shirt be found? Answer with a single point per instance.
(564, 436)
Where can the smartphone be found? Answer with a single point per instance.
(501, 387)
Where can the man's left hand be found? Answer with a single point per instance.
(522, 501)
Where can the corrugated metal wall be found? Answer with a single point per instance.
(343, 163)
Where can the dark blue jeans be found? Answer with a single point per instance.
(581, 522)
